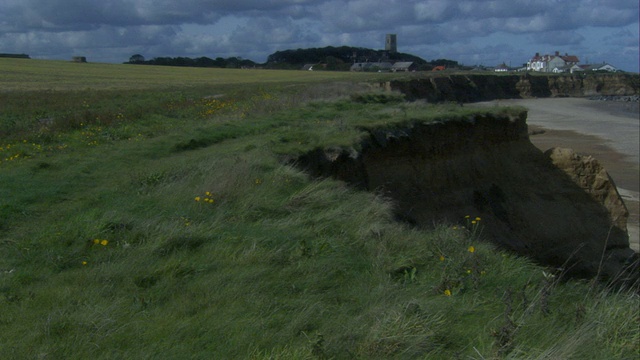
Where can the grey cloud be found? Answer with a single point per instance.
(155, 25)
(559, 38)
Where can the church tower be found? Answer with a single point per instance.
(391, 45)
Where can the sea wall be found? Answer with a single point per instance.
(557, 208)
(474, 88)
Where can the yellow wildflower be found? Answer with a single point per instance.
(104, 242)
(84, 263)
(441, 258)
(478, 219)
(471, 249)
(197, 198)
(96, 241)
(207, 193)
(447, 292)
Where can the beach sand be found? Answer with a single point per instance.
(609, 131)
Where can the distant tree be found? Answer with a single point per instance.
(232, 62)
(136, 59)
(332, 62)
(337, 58)
(15, 56)
(444, 62)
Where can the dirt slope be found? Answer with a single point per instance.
(487, 167)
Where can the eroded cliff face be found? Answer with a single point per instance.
(532, 203)
(474, 88)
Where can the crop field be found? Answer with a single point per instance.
(156, 213)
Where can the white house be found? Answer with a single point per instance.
(594, 67)
(603, 67)
(501, 68)
(552, 63)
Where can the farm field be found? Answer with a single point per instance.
(152, 212)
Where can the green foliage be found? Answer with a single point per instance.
(119, 246)
(378, 98)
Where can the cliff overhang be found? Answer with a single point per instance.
(557, 208)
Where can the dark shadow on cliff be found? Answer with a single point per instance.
(465, 88)
(487, 167)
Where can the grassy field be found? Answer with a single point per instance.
(147, 213)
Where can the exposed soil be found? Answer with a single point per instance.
(607, 130)
(487, 167)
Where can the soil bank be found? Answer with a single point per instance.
(609, 131)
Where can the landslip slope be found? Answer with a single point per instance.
(558, 208)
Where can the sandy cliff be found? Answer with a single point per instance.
(557, 208)
(474, 88)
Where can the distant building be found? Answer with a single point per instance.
(372, 66)
(594, 67)
(552, 63)
(79, 59)
(403, 66)
(391, 44)
(502, 68)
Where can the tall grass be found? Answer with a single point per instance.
(194, 240)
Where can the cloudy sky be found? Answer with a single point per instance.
(472, 32)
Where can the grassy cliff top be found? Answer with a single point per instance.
(161, 224)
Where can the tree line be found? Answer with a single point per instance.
(331, 58)
(232, 62)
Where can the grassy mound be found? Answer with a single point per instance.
(163, 224)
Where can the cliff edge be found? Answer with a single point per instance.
(557, 208)
(475, 88)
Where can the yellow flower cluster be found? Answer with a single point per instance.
(266, 96)
(207, 198)
(213, 106)
(19, 150)
(102, 242)
(473, 221)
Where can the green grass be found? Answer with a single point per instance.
(276, 265)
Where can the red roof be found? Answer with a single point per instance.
(566, 58)
(570, 58)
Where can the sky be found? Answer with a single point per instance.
(472, 32)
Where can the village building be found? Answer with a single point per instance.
(502, 68)
(403, 66)
(552, 63)
(594, 67)
(372, 66)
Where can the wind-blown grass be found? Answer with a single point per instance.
(276, 264)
